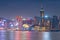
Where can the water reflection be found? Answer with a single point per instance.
(17, 35)
(40, 36)
(46, 36)
(28, 35)
(11, 35)
(2, 35)
(34, 35)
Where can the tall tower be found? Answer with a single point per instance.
(42, 12)
(42, 15)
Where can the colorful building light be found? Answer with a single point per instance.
(4, 20)
(24, 19)
(25, 25)
(19, 18)
(46, 16)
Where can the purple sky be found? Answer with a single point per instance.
(28, 8)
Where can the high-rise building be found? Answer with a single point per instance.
(42, 17)
(42, 12)
(59, 21)
(55, 22)
(47, 23)
(36, 20)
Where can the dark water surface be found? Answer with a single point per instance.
(28, 35)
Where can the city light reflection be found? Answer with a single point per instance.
(28, 35)
(11, 33)
(17, 35)
(2, 34)
(46, 36)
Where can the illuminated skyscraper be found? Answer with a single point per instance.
(55, 22)
(42, 16)
(42, 12)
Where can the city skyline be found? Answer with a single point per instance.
(28, 8)
(29, 19)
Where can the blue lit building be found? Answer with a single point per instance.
(37, 19)
(5, 23)
(55, 22)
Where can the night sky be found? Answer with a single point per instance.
(28, 8)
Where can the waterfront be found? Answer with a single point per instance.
(28, 35)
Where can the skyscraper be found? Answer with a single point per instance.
(42, 16)
(42, 12)
(55, 22)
